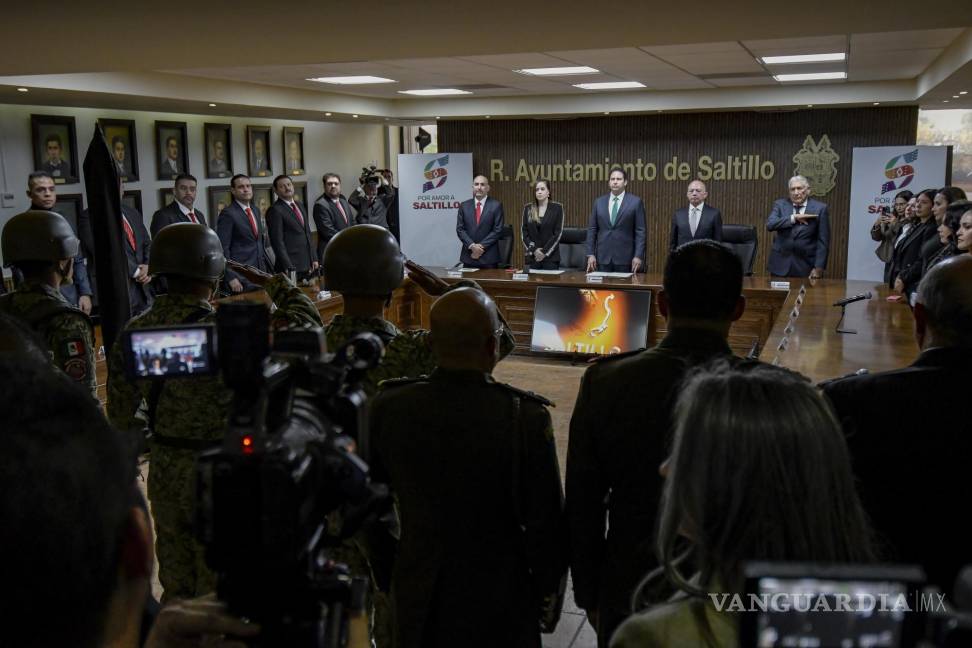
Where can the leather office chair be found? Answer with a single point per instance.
(741, 239)
(505, 244)
(572, 253)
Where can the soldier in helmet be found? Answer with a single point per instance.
(186, 415)
(42, 246)
(365, 264)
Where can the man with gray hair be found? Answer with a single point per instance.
(802, 227)
(474, 467)
(908, 438)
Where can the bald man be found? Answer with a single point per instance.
(479, 226)
(697, 221)
(909, 441)
(474, 466)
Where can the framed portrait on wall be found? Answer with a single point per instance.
(166, 196)
(300, 195)
(293, 151)
(55, 145)
(120, 135)
(170, 148)
(258, 151)
(263, 197)
(133, 199)
(219, 199)
(69, 206)
(219, 150)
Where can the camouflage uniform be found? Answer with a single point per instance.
(408, 354)
(67, 331)
(189, 409)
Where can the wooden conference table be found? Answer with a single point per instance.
(793, 327)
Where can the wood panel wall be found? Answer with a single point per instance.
(772, 136)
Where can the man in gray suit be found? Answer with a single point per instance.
(617, 233)
(802, 226)
(697, 221)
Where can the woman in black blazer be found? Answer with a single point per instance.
(543, 223)
(907, 261)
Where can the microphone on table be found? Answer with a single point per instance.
(851, 300)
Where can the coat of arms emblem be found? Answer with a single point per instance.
(817, 162)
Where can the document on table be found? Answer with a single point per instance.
(549, 272)
(468, 269)
(618, 275)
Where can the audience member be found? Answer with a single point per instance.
(963, 239)
(947, 231)
(887, 228)
(907, 261)
(761, 472)
(909, 447)
(620, 429)
(474, 467)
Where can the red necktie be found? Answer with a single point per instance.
(297, 213)
(341, 209)
(129, 233)
(253, 224)
(192, 217)
(479, 211)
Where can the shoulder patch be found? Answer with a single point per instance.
(76, 368)
(616, 356)
(527, 394)
(73, 347)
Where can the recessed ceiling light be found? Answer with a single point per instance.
(559, 71)
(964, 92)
(352, 80)
(487, 116)
(877, 103)
(327, 114)
(804, 58)
(434, 92)
(609, 85)
(946, 101)
(354, 116)
(814, 76)
(809, 105)
(212, 105)
(607, 112)
(955, 96)
(437, 117)
(21, 89)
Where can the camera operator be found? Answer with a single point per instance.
(76, 538)
(186, 415)
(372, 200)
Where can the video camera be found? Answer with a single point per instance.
(287, 461)
(872, 606)
(371, 175)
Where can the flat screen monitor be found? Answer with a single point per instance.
(590, 321)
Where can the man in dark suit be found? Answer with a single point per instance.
(617, 233)
(119, 152)
(908, 437)
(698, 220)
(240, 230)
(43, 195)
(619, 431)
(802, 227)
(180, 210)
(290, 231)
(485, 507)
(55, 166)
(260, 163)
(479, 225)
(136, 245)
(332, 213)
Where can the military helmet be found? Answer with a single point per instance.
(38, 235)
(188, 250)
(363, 260)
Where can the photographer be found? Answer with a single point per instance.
(373, 199)
(186, 415)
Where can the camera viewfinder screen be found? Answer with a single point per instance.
(590, 321)
(819, 612)
(173, 352)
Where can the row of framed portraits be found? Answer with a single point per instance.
(55, 146)
(70, 205)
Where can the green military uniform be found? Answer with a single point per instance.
(67, 331)
(473, 465)
(189, 410)
(408, 354)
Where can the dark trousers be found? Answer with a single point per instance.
(546, 264)
(613, 267)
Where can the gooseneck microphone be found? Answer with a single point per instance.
(851, 300)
